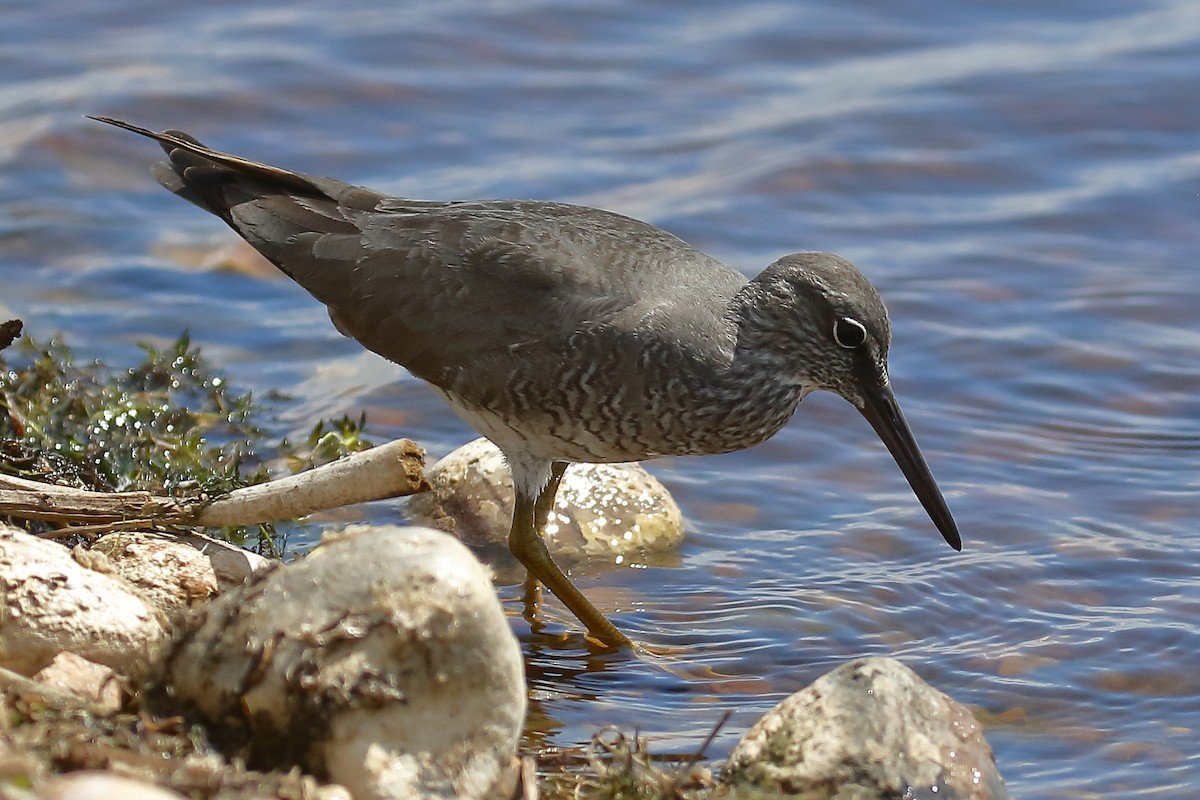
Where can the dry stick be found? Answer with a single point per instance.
(29, 500)
(391, 470)
(139, 524)
(699, 754)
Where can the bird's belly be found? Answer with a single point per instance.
(602, 435)
(551, 437)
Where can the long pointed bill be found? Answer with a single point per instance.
(884, 415)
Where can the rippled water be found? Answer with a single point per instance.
(1022, 181)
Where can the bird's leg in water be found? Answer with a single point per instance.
(526, 543)
(541, 515)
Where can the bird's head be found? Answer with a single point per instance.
(820, 324)
(824, 324)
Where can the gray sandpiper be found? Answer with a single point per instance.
(565, 333)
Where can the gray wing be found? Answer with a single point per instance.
(459, 290)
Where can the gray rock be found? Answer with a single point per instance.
(381, 661)
(868, 730)
(601, 510)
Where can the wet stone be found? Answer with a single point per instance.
(871, 730)
(601, 509)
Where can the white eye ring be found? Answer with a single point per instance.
(849, 333)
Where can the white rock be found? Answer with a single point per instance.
(49, 603)
(168, 573)
(601, 509)
(230, 564)
(869, 730)
(171, 571)
(382, 661)
(88, 680)
(95, 785)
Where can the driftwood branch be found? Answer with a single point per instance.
(395, 469)
(391, 470)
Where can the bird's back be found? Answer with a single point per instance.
(477, 297)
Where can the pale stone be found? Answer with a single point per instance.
(85, 679)
(600, 509)
(96, 785)
(177, 570)
(168, 573)
(382, 660)
(50, 603)
(869, 730)
(230, 564)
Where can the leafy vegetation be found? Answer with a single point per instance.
(169, 425)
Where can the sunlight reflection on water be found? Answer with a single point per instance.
(1018, 181)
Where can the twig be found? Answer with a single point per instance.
(101, 529)
(33, 500)
(391, 470)
(708, 740)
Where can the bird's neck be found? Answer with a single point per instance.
(759, 401)
(747, 400)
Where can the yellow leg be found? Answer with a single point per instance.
(545, 501)
(526, 543)
(541, 514)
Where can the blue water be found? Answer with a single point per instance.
(1021, 181)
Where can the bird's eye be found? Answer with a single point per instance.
(849, 333)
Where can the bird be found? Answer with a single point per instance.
(565, 333)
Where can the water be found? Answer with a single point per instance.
(1020, 180)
